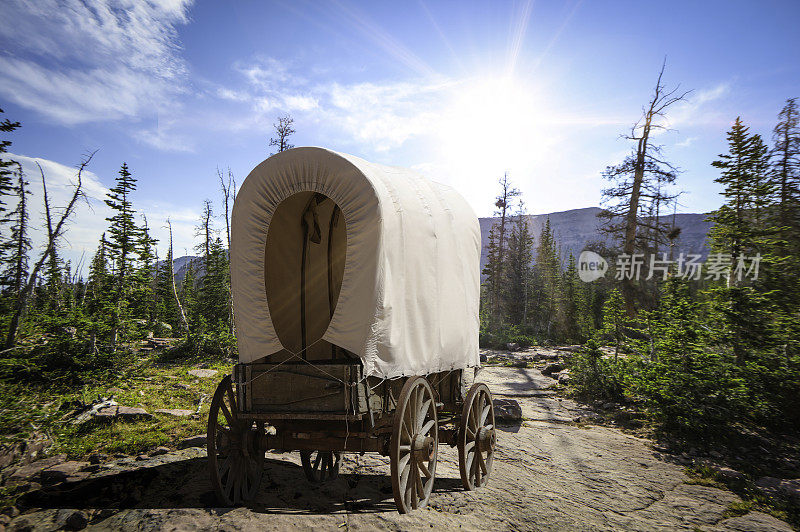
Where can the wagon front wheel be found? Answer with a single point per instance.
(414, 445)
(320, 466)
(235, 452)
(476, 437)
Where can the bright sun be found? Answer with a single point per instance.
(492, 125)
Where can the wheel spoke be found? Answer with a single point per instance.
(423, 414)
(405, 431)
(403, 462)
(414, 494)
(224, 408)
(225, 467)
(418, 478)
(424, 469)
(231, 399)
(427, 428)
(482, 463)
(317, 461)
(485, 414)
(404, 476)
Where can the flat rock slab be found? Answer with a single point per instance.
(546, 475)
(203, 373)
(177, 412)
(132, 412)
(194, 441)
(60, 472)
(34, 468)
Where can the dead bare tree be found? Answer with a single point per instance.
(633, 203)
(55, 231)
(170, 260)
(228, 193)
(284, 130)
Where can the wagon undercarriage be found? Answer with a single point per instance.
(405, 419)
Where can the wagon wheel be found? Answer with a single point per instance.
(235, 452)
(320, 466)
(476, 437)
(414, 445)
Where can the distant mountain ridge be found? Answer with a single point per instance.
(573, 229)
(576, 228)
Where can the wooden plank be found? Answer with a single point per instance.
(320, 416)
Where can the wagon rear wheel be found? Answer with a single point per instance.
(320, 466)
(476, 437)
(414, 445)
(235, 452)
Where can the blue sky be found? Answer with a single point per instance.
(461, 91)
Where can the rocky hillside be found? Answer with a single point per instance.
(576, 228)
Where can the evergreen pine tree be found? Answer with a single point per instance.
(121, 244)
(518, 271)
(17, 246)
(8, 168)
(548, 281)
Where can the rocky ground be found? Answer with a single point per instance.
(556, 470)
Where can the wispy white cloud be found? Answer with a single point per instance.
(696, 109)
(80, 61)
(688, 141)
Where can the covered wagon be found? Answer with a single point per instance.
(356, 293)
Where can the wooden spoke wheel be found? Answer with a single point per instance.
(414, 445)
(476, 437)
(235, 451)
(320, 466)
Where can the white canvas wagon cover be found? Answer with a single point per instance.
(405, 263)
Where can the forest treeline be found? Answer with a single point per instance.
(56, 322)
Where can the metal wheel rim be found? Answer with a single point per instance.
(475, 460)
(320, 466)
(415, 419)
(235, 456)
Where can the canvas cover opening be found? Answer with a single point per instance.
(303, 268)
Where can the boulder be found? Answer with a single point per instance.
(507, 411)
(512, 347)
(71, 519)
(97, 458)
(555, 367)
(788, 488)
(176, 412)
(563, 378)
(60, 472)
(726, 473)
(194, 441)
(203, 373)
(35, 468)
(158, 451)
(132, 412)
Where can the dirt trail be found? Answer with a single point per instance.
(549, 474)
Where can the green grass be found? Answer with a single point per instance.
(141, 381)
